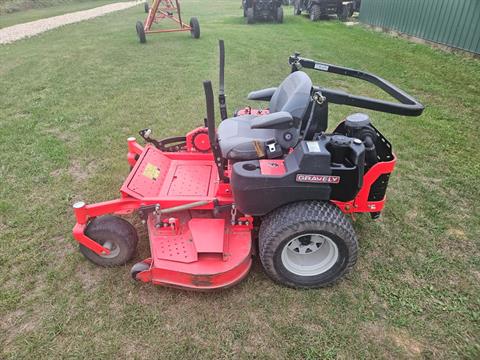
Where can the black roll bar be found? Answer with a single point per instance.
(408, 105)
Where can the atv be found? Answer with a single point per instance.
(318, 9)
(272, 182)
(262, 10)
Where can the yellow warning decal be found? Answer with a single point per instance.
(151, 171)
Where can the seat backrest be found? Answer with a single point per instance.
(293, 95)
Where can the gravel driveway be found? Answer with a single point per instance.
(20, 31)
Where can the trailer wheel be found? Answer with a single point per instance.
(146, 7)
(195, 31)
(250, 16)
(141, 32)
(315, 12)
(308, 244)
(112, 232)
(296, 8)
(279, 15)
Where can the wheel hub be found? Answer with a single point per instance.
(310, 254)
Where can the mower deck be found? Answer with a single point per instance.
(190, 248)
(204, 253)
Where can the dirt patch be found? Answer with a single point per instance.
(382, 335)
(81, 172)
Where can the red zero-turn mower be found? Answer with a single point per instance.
(274, 175)
(165, 9)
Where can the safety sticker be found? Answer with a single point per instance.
(321, 67)
(151, 172)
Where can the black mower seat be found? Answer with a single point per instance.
(246, 137)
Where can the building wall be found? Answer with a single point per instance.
(454, 23)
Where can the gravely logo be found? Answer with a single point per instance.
(318, 179)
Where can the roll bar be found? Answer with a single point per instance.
(408, 105)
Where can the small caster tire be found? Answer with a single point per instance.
(114, 233)
(138, 268)
(141, 32)
(146, 7)
(195, 28)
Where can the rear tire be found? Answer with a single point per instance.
(315, 13)
(119, 233)
(296, 7)
(146, 7)
(279, 15)
(141, 32)
(250, 16)
(308, 244)
(195, 31)
(343, 14)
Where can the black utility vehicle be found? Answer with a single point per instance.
(267, 10)
(318, 9)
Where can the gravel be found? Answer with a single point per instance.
(20, 31)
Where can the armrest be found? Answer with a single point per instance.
(278, 120)
(263, 95)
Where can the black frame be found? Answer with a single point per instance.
(408, 105)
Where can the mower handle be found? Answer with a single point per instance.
(408, 105)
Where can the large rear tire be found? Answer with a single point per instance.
(308, 244)
(250, 16)
(141, 32)
(114, 233)
(343, 14)
(195, 31)
(297, 10)
(315, 13)
(279, 15)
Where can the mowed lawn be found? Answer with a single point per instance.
(69, 98)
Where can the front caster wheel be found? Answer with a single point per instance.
(146, 7)
(114, 233)
(309, 244)
(141, 32)
(138, 268)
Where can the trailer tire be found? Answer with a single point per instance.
(146, 7)
(308, 244)
(250, 16)
(195, 31)
(279, 15)
(315, 12)
(141, 32)
(121, 235)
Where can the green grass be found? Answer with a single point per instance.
(17, 12)
(70, 97)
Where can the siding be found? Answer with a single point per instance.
(454, 23)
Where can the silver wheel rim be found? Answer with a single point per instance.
(114, 249)
(309, 254)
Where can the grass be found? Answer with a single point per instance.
(71, 96)
(19, 11)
